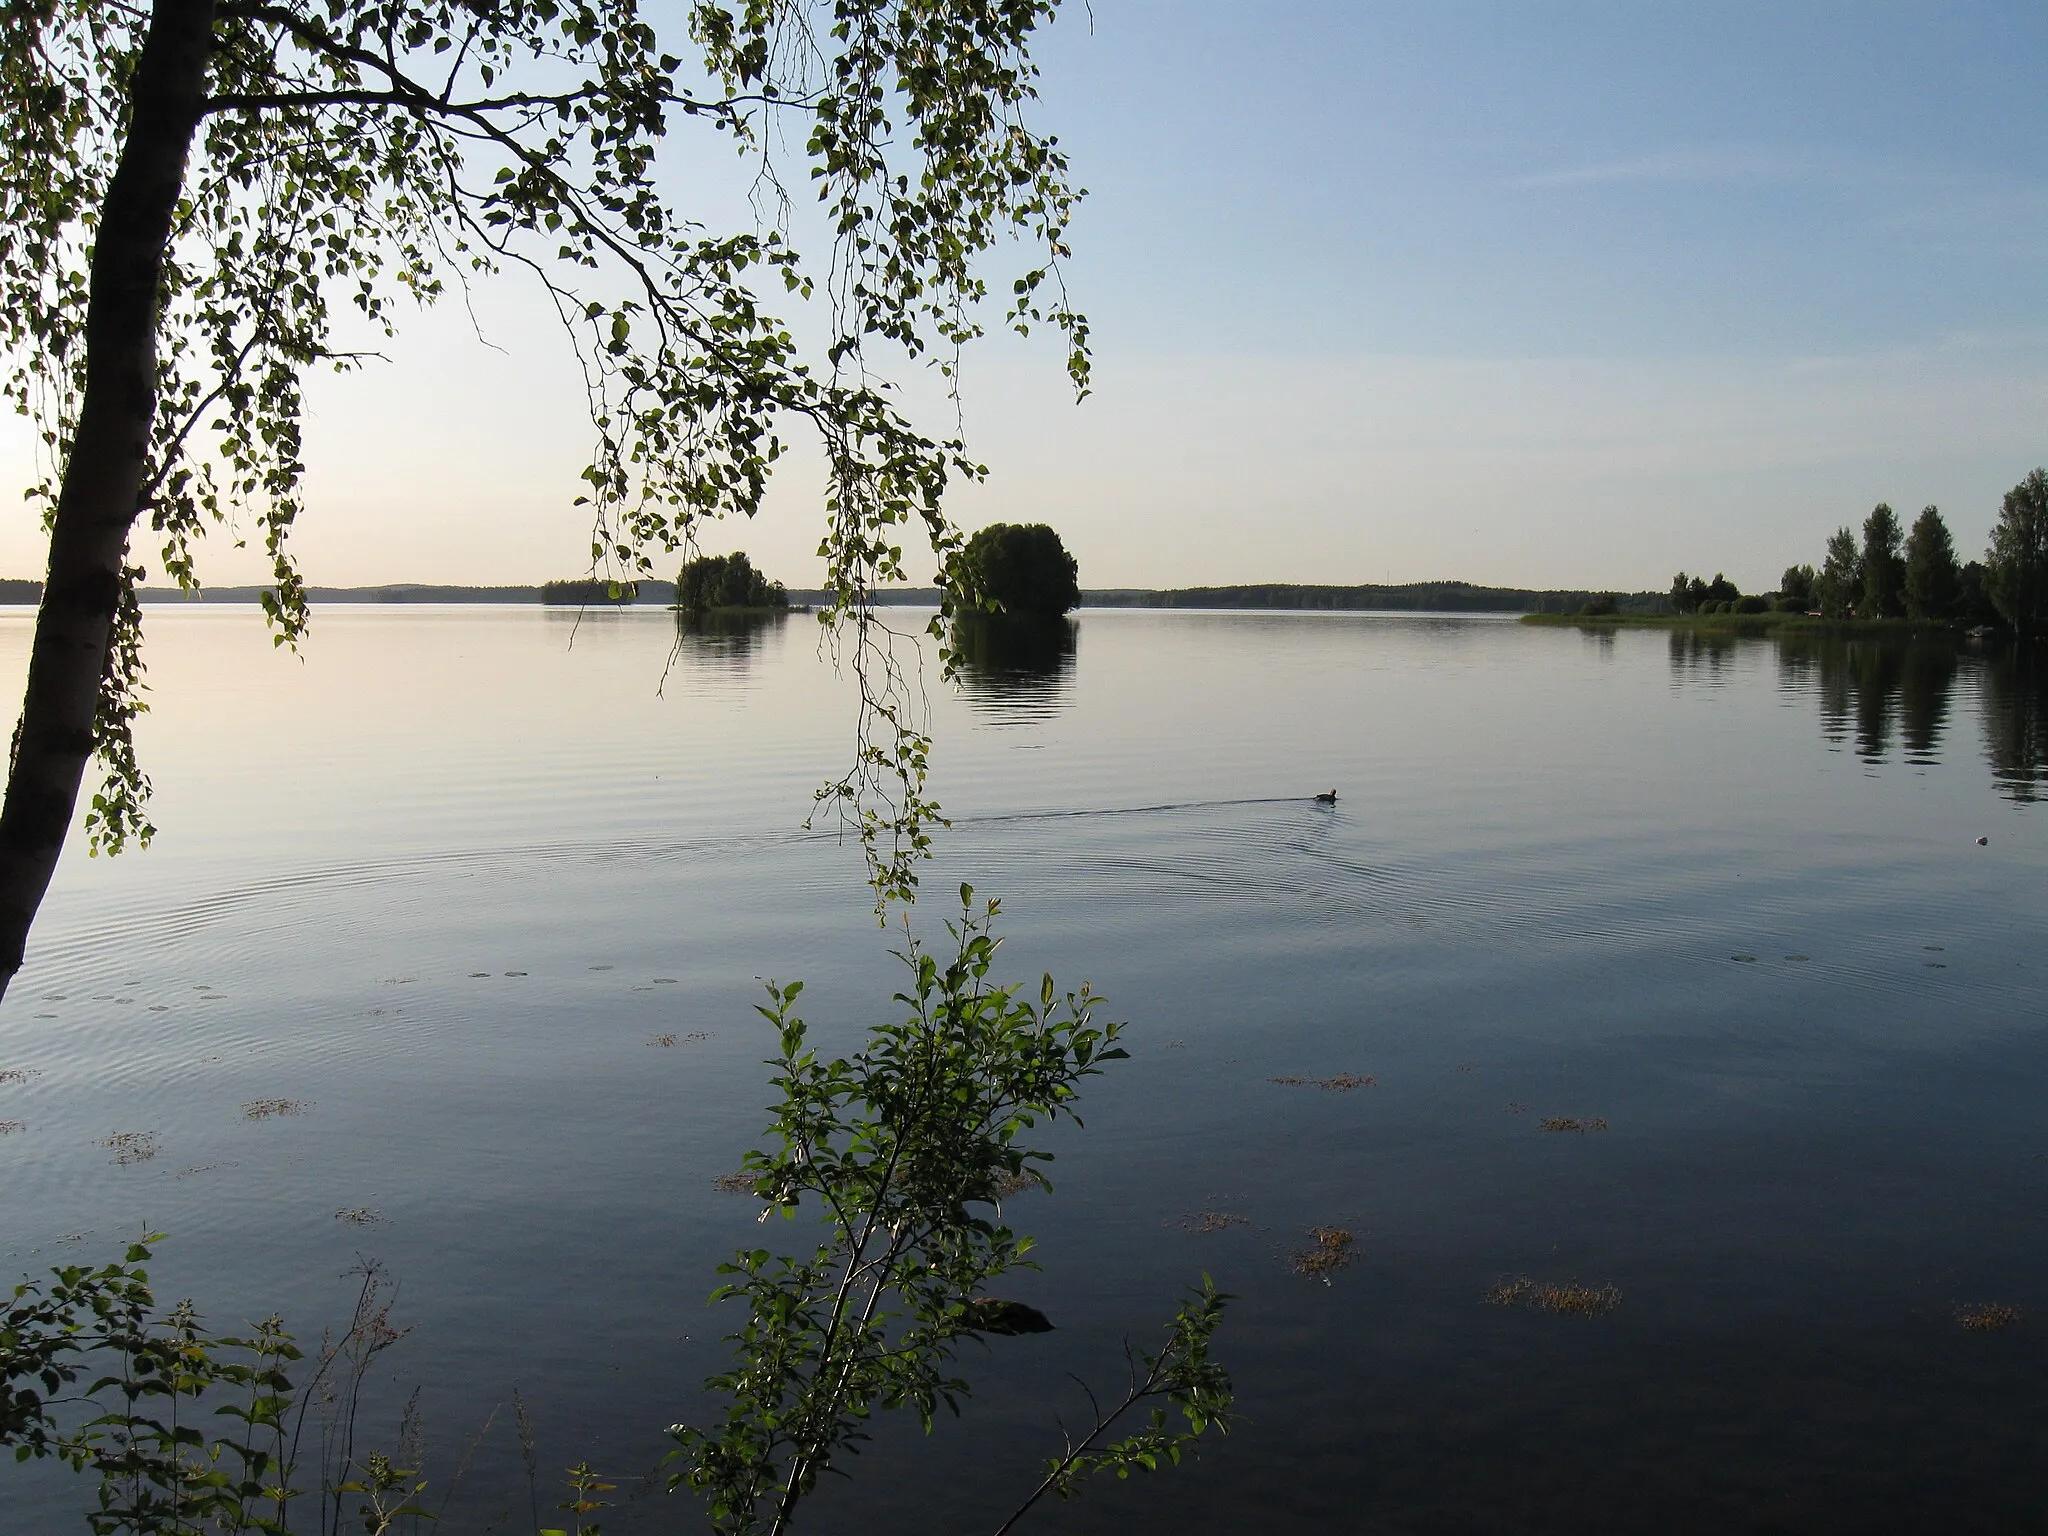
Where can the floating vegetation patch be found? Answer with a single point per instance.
(9, 1127)
(663, 1040)
(1986, 1317)
(1006, 1183)
(479, 975)
(515, 973)
(734, 1183)
(1329, 1251)
(1743, 959)
(360, 1216)
(1799, 959)
(665, 981)
(19, 1074)
(131, 1146)
(1516, 1109)
(1343, 1082)
(263, 1109)
(1204, 1222)
(1468, 1066)
(1545, 1296)
(1574, 1124)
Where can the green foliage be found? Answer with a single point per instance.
(1841, 576)
(1021, 569)
(95, 1373)
(1601, 605)
(2017, 562)
(726, 581)
(1884, 572)
(356, 156)
(1797, 589)
(1933, 580)
(902, 1150)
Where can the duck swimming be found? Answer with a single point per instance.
(1327, 797)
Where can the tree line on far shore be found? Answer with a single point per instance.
(1895, 573)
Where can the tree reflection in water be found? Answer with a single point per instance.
(1015, 670)
(720, 647)
(1878, 692)
(2015, 707)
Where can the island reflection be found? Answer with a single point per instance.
(722, 646)
(1013, 670)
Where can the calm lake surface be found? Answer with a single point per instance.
(444, 881)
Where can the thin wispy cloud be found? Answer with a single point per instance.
(1753, 165)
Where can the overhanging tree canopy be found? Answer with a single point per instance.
(190, 190)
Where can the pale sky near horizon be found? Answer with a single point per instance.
(1570, 294)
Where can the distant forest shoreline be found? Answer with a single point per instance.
(1410, 597)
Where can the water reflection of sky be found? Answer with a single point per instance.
(448, 882)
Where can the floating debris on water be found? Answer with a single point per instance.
(1987, 1317)
(1573, 1123)
(1343, 1082)
(1515, 1108)
(665, 981)
(597, 967)
(663, 1040)
(9, 1127)
(515, 973)
(1744, 959)
(360, 1216)
(1204, 1222)
(53, 997)
(734, 1183)
(1544, 1296)
(19, 1074)
(1468, 1066)
(1006, 1183)
(131, 1146)
(479, 975)
(263, 1109)
(1331, 1251)
(1799, 959)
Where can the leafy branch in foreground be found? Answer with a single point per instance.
(905, 1148)
(205, 202)
(94, 1373)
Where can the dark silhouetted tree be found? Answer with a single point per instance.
(1796, 588)
(1884, 572)
(1933, 579)
(1841, 575)
(1684, 599)
(2017, 561)
(1022, 568)
(726, 581)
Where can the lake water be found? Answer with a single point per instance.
(445, 880)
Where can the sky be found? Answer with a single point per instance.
(1568, 294)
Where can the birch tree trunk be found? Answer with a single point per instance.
(99, 498)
